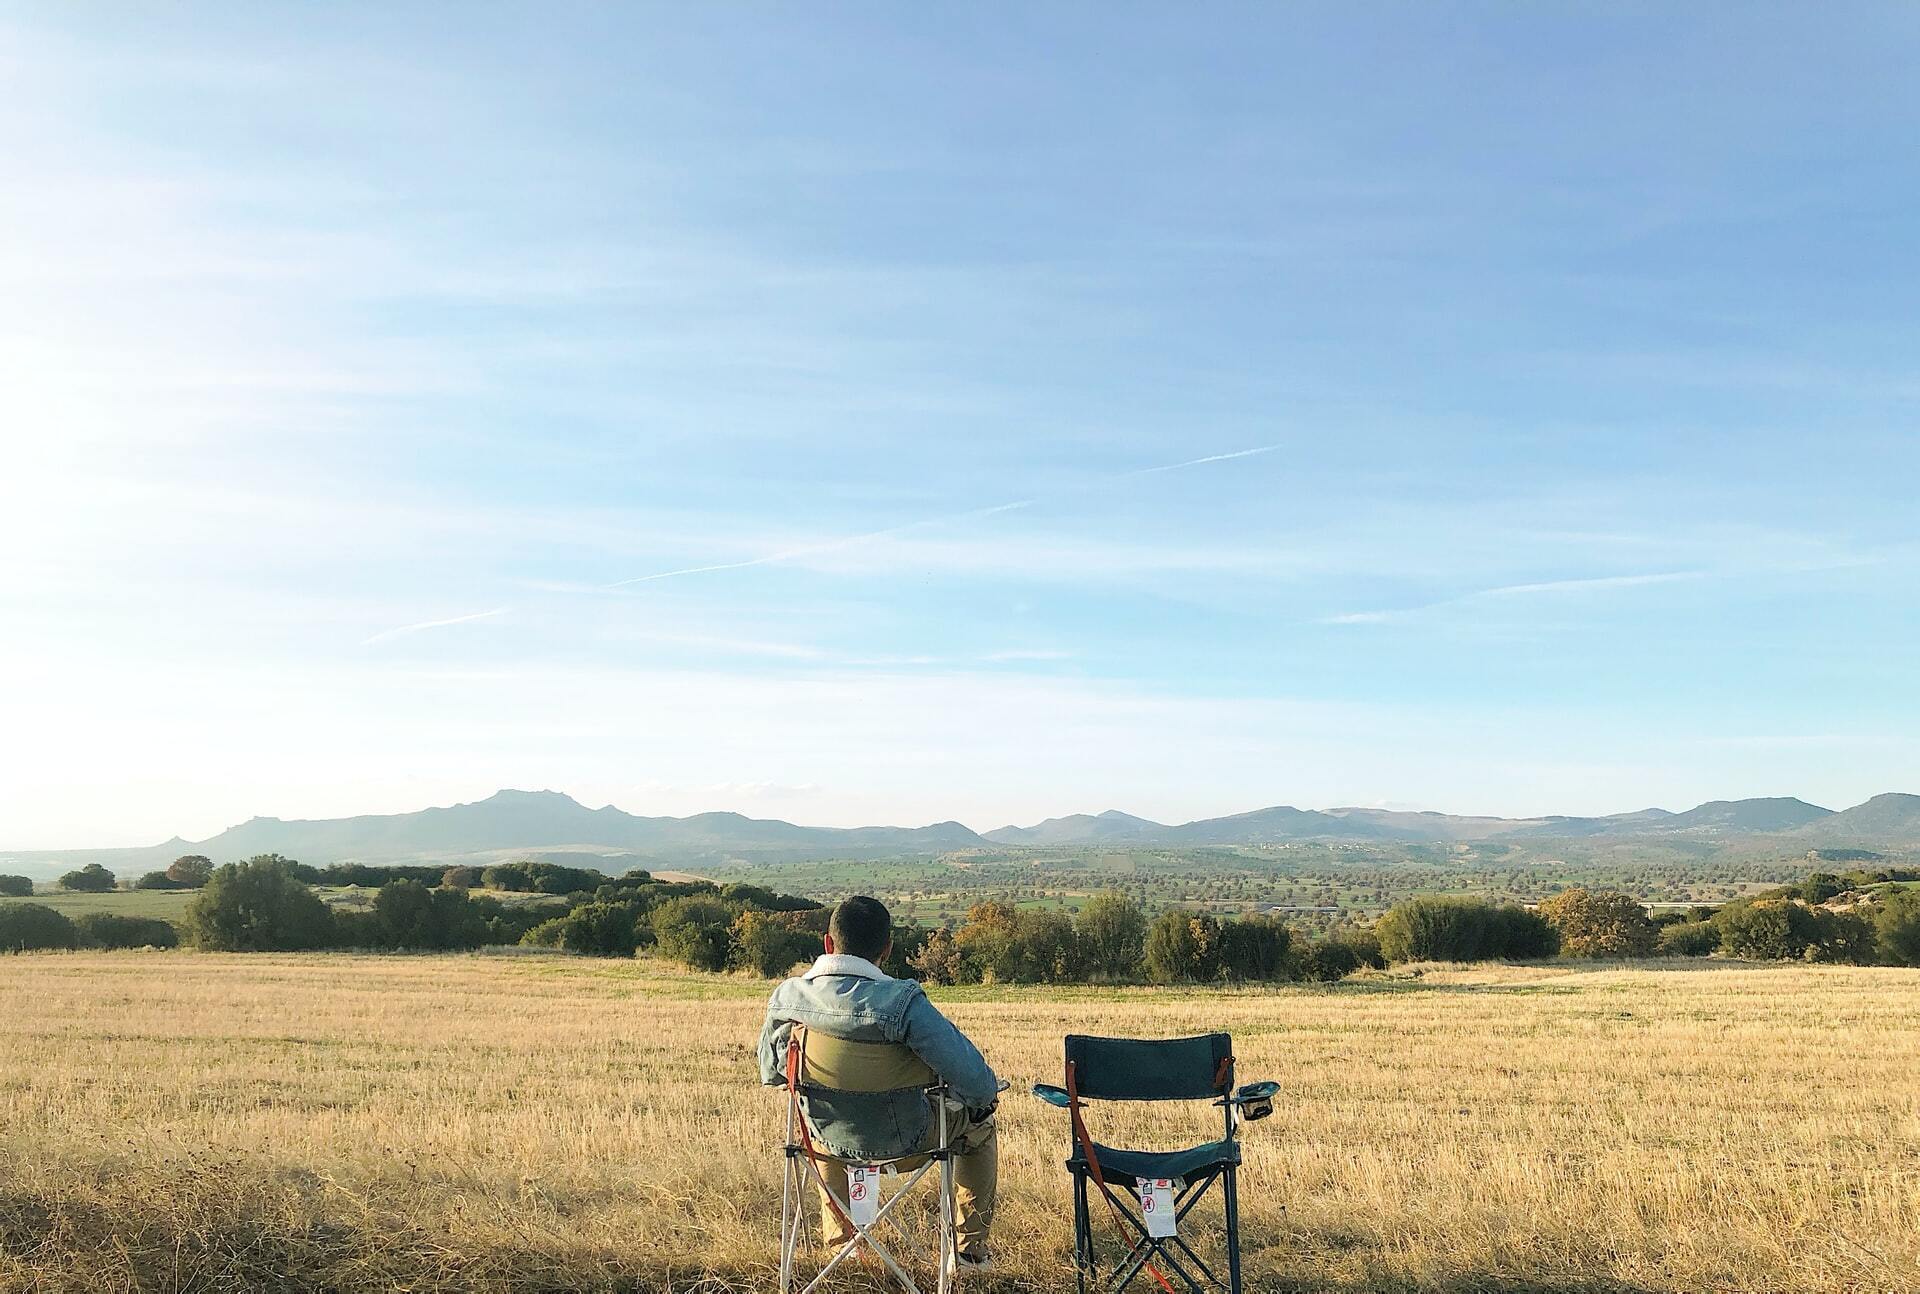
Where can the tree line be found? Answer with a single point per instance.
(268, 904)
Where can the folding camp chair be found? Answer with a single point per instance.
(885, 1150)
(1158, 1183)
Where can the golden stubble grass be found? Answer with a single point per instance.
(202, 1122)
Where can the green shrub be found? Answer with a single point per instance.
(1255, 947)
(771, 943)
(157, 881)
(939, 960)
(111, 930)
(1689, 939)
(16, 887)
(1452, 929)
(1329, 960)
(190, 871)
(529, 877)
(1112, 933)
(1009, 945)
(258, 906)
(414, 917)
(91, 879)
(592, 929)
(1183, 947)
(1600, 923)
(695, 930)
(1846, 937)
(31, 927)
(356, 928)
(1896, 923)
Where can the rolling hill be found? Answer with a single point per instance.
(547, 823)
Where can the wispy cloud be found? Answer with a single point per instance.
(1592, 584)
(827, 546)
(401, 631)
(971, 514)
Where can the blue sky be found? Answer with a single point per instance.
(360, 364)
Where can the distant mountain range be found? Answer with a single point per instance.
(549, 824)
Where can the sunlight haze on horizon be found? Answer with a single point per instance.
(854, 414)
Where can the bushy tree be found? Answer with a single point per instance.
(595, 930)
(1183, 947)
(1600, 923)
(1255, 947)
(1896, 923)
(527, 876)
(1112, 932)
(460, 878)
(939, 960)
(31, 927)
(904, 947)
(1689, 939)
(1001, 943)
(157, 881)
(1765, 930)
(696, 931)
(771, 943)
(112, 930)
(414, 917)
(758, 896)
(258, 906)
(1452, 929)
(1845, 937)
(16, 887)
(91, 879)
(1328, 960)
(190, 871)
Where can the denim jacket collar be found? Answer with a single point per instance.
(842, 964)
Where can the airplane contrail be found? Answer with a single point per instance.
(1195, 462)
(402, 630)
(849, 541)
(826, 546)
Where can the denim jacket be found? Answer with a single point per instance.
(851, 998)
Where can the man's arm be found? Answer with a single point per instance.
(773, 1060)
(950, 1054)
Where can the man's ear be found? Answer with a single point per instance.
(829, 942)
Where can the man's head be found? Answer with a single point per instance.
(860, 927)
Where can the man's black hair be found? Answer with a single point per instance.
(861, 927)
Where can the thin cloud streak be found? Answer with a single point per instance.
(850, 541)
(386, 634)
(829, 546)
(1516, 590)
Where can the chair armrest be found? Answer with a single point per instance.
(1052, 1095)
(1254, 1100)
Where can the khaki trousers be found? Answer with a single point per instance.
(976, 1178)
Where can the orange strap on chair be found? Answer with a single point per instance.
(1093, 1168)
(796, 1050)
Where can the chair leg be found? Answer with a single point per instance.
(1082, 1234)
(1232, 1187)
(792, 1190)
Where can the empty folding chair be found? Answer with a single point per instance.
(881, 1098)
(1160, 1187)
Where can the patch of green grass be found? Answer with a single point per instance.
(169, 905)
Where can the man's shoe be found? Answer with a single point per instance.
(964, 1264)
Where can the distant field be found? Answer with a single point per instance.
(172, 904)
(168, 904)
(1315, 881)
(330, 1122)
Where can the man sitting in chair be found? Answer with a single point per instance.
(845, 998)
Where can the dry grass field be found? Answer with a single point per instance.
(200, 1122)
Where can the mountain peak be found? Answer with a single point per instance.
(509, 795)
